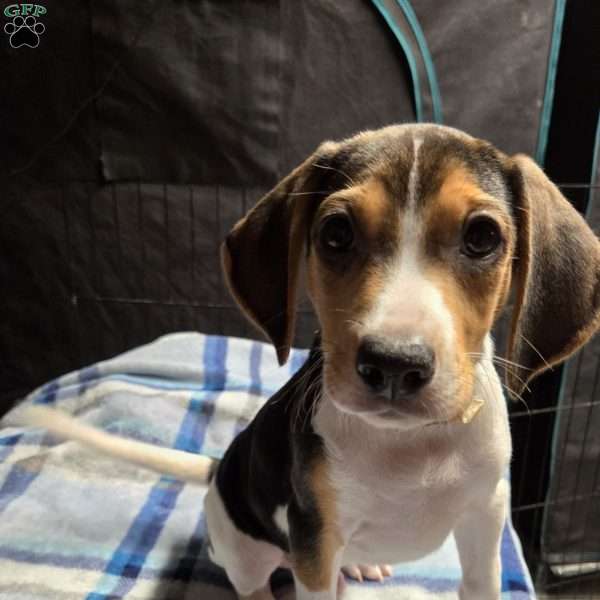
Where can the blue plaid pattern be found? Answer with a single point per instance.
(77, 525)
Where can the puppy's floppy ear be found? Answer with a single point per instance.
(261, 255)
(557, 276)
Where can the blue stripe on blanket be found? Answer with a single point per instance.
(185, 567)
(215, 354)
(129, 558)
(55, 559)
(16, 483)
(186, 563)
(512, 573)
(297, 359)
(192, 569)
(438, 585)
(86, 376)
(11, 440)
(255, 359)
(255, 386)
(19, 479)
(47, 394)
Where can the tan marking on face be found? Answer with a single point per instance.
(458, 195)
(341, 297)
(315, 570)
(473, 293)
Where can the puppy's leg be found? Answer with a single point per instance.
(317, 586)
(478, 535)
(316, 555)
(248, 562)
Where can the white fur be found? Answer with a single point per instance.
(411, 199)
(420, 481)
(248, 562)
(402, 493)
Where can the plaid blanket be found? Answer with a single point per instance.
(74, 524)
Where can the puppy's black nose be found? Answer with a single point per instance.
(399, 369)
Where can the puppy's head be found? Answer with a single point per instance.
(411, 237)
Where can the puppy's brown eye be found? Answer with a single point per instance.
(336, 233)
(481, 237)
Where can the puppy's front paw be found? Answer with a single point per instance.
(371, 572)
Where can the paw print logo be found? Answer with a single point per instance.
(24, 31)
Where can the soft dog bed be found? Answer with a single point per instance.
(75, 524)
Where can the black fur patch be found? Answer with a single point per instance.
(255, 475)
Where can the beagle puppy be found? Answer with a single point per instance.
(410, 241)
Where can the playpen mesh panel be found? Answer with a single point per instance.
(112, 267)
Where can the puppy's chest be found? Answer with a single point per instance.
(398, 483)
(399, 509)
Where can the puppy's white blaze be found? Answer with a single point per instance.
(410, 303)
(411, 306)
(413, 175)
(411, 224)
